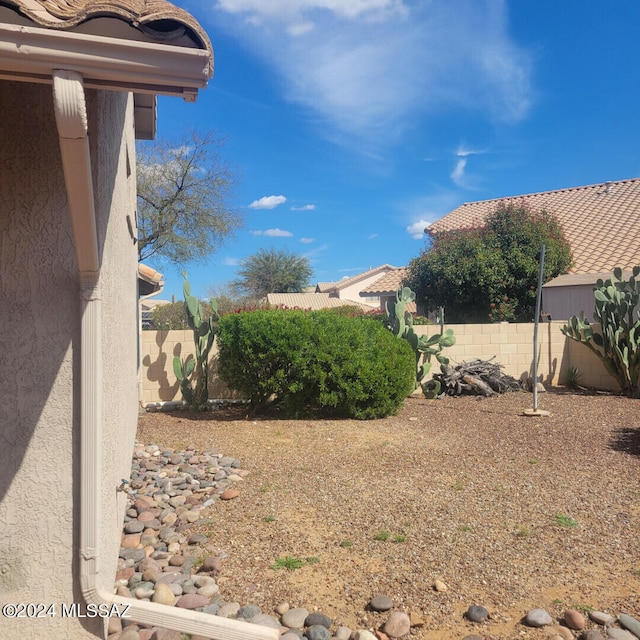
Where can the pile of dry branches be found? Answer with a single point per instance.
(477, 377)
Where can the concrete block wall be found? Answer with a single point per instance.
(510, 343)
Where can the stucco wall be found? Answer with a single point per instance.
(511, 344)
(564, 302)
(39, 369)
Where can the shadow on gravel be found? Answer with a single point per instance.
(626, 440)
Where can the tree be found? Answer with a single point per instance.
(490, 273)
(183, 191)
(172, 316)
(272, 271)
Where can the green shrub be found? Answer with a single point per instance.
(315, 363)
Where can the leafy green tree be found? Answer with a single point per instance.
(490, 273)
(272, 271)
(168, 317)
(183, 193)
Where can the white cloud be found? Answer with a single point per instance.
(457, 174)
(371, 236)
(272, 233)
(371, 67)
(267, 202)
(231, 262)
(416, 230)
(306, 207)
(307, 240)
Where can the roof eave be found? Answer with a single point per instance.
(31, 54)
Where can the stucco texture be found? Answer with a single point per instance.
(40, 309)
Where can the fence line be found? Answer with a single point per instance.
(510, 343)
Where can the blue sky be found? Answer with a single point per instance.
(352, 124)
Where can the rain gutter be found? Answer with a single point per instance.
(71, 121)
(32, 54)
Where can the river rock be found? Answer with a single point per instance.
(248, 611)
(620, 634)
(229, 610)
(560, 632)
(630, 623)
(342, 633)
(163, 595)
(538, 618)
(398, 625)
(192, 601)
(363, 634)
(317, 632)
(265, 620)
(294, 618)
(314, 619)
(574, 619)
(601, 617)
(381, 603)
(593, 634)
(476, 613)
(440, 586)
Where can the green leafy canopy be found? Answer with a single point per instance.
(490, 273)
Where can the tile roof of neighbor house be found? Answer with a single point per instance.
(153, 17)
(387, 284)
(313, 301)
(600, 221)
(346, 282)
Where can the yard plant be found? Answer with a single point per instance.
(424, 347)
(489, 273)
(193, 372)
(315, 363)
(618, 342)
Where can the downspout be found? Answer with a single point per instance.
(71, 121)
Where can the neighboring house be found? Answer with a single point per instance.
(386, 287)
(372, 287)
(601, 223)
(78, 81)
(312, 301)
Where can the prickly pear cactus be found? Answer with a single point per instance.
(618, 342)
(425, 347)
(193, 372)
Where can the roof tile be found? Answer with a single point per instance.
(600, 221)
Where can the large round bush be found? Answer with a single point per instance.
(315, 363)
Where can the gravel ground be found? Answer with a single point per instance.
(509, 512)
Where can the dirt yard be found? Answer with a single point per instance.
(507, 511)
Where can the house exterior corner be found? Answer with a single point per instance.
(40, 312)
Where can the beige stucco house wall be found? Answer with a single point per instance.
(40, 310)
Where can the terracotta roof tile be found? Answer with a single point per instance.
(151, 16)
(312, 301)
(346, 282)
(601, 221)
(388, 283)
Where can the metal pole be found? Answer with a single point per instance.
(535, 329)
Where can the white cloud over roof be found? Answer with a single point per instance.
(416, 230)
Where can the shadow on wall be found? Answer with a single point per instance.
(157, 370)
